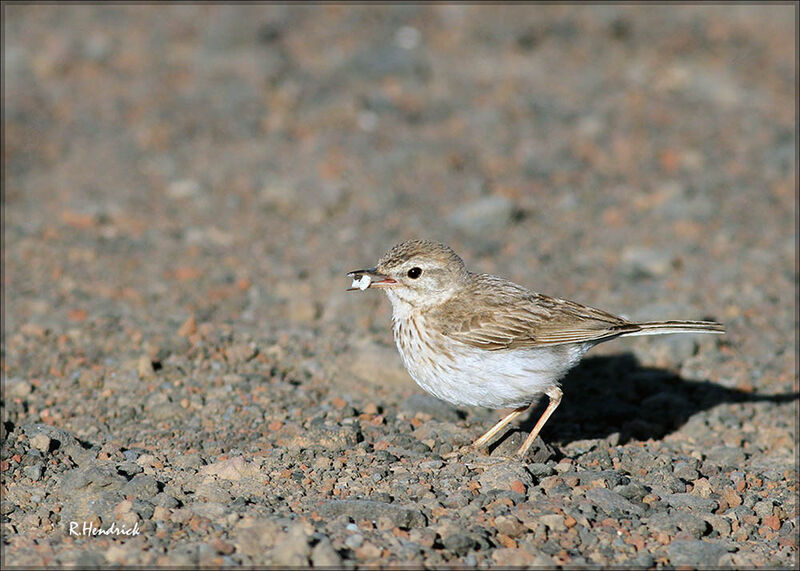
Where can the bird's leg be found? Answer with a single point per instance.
(554, 394)
(495, 430)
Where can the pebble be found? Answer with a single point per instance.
(18, 388)
(372, 510)
(612, 503)
(293, 549)
(41, 442)
(145, 367)
(505, 477)
(233, 469)
(727, 457)
(324, 555)
(254, 536)
(695, 553)
(34, 472)
(509, 525)
(683, 500)
(141, 486)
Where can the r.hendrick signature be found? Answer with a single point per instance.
(89, 528)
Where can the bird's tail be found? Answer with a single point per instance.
(675, 326)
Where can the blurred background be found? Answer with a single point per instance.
(232, 163)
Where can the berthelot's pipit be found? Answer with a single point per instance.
(481, 340)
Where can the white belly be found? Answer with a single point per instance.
(468, 376)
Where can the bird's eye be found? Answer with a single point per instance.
(414, 273)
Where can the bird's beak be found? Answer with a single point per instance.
(363, 279)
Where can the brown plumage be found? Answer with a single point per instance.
(478, 339)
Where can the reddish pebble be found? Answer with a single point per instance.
(518, 486)
(77, 315)
(773, 522)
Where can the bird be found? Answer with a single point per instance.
(475, 339)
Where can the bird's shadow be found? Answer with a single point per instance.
(609, 394)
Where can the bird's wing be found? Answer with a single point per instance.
(510, 317)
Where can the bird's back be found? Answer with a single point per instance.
(493, 313)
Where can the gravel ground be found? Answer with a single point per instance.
(186, 186)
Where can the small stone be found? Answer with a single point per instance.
(371, 510)
(41, 442)
(726, 457)
(253, 536)
(678, 521)
(292, 549)
(210, 510)
(695, 553)
(234, 469)
(458, 542)
(18, 388)
(633, 491)
(187, 461)
(720, 524)
(93, 477)
(509, 525)
(322, 463)
(324, 555)
(354, 541)
(505, 477)
(612, 503)
(145, 367)
(702, 488)
(431, 465)
(697, 503)
(508, 557)
(164, 500)
(160, 513)
(554, 522)
(129, 469)
(731, 497)
(773, 522)
(540, 470)
(326, 437)
(141, 486)
(212, 492)
(368, 551)
(425, 537)
(34, 472)
(763, 508)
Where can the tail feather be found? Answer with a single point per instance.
(662, 327)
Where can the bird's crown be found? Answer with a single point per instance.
(424, 249)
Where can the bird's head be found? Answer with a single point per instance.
(419, 273)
